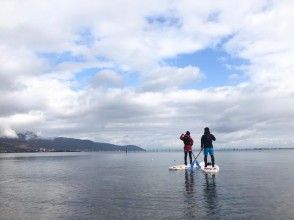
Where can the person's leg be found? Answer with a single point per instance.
(205, 161)
(185, 158)
(190, 156)
(205, 152)
(211, 156)
(212, 160)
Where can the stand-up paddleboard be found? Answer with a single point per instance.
(209, 168)
(182, 167)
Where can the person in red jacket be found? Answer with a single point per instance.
(188, 142)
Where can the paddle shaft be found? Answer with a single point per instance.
(197, 154)
(195, 159)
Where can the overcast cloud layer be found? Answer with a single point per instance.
(98, 70)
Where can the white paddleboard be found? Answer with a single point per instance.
(182, 167)
(209, 168)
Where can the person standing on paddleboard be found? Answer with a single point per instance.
(206, 144)
(188, 142)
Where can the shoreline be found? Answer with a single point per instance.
(152, 151)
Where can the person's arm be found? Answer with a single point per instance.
(213, 138)
(202, 142)
(182, 136)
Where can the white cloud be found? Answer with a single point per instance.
(7, 132)
(10, 124)
(107, 78)
(17, 64)
(46, 97)
(166, 78)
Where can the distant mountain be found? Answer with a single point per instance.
(27, 135)
(30, 142)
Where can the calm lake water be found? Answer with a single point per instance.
(250, 185)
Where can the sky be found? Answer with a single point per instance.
(143, 72)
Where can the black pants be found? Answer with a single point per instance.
(190, 156)
(212, 160)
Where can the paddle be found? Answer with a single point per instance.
(195, 160)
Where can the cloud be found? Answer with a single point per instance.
(265, 40)
(17, 64)
(166, 78)
(121, 91)
(20, 121)
(107, 78)
(7, 132)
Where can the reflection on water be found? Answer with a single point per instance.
(190, 197)
(139, 186)
(210, 195)
(201, 200)
(189, 181)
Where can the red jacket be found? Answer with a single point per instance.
(187, 147)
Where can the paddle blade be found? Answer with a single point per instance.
(197, 164)
(192, 165)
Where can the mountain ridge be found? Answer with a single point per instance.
(29, 142)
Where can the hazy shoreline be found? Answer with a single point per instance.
(152, 150)
(226, 149)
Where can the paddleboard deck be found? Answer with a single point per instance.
(181, 167)
(209, 168)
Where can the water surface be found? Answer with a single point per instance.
(250, 185)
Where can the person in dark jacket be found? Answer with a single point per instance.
(206, 144)
(188, 142)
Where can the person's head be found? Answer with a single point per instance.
(206, 130)
(188, 133)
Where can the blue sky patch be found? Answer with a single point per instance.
(164, 21)
(85, 37)
(83, 77)
(58, 58)
(216, 65)
(213, 17)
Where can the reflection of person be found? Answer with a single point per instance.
(210, 198)
(188, 142)
(189, 181)
(206, 143)
(210, 181)
(191, 201)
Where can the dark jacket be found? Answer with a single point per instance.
(206, 140)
